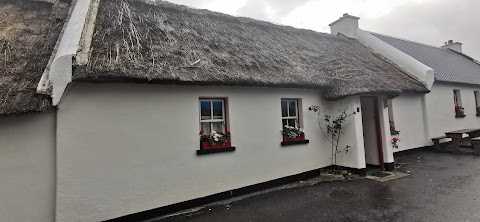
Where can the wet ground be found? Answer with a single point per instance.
(441, 187)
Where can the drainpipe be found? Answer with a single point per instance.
(426, 122)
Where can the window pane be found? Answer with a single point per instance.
(218, 127)
(206, 128)
(292, 108)
(284, 122)
(284, 109)
(292, 122)
(206, 110)
(217, 110)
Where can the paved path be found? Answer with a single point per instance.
(442, 187)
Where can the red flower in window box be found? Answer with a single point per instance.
(215, 141)
(201, 132)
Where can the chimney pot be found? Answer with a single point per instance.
(346, 14)
(455, 46)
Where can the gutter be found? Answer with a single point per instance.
(58, 73)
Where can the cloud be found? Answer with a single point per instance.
(433, 23)
(269, 10)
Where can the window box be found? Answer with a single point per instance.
(459, 112)
(207, 146)
(298, 138)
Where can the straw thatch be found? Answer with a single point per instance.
(160, 42)
(28, 33)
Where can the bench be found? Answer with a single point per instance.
(436, 141)
(476, 144)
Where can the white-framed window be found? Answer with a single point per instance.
(477, 102)
(457, 98)
(290, 114)
(213, 115)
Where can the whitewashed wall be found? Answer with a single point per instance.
(441, 113)
(27, 168)
(409, 120)
(353, 132)
(124, 149)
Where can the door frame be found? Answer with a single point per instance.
(378, 130)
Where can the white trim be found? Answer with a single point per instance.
(212, 120)
(60, 71)
(289, 117)
(411, 66)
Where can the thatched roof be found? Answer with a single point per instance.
(160, 42)
(28, 33)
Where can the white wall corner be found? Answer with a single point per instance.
(359, 134)
(405, 62)
(59, 73)
(347, 25)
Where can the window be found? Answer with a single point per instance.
(290, 112)
(212, 115)
(457, 98)
(477, 103)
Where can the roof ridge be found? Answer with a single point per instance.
(190, 9)
(402, 39)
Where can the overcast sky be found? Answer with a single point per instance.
(428, 21)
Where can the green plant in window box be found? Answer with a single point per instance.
(292, 132)
(214, 137)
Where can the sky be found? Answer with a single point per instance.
(431, 22)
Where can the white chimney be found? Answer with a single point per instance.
(455, 46)
(347, 25)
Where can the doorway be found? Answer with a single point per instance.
(372, 136)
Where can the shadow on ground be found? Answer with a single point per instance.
(441, 187)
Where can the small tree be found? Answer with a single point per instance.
(333, 129)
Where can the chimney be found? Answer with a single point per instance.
(347, 25)
(455, 46)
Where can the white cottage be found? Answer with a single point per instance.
(112, 131)
(452, 77)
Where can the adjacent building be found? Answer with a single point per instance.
(452, 77)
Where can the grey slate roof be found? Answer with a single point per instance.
(449, 66)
